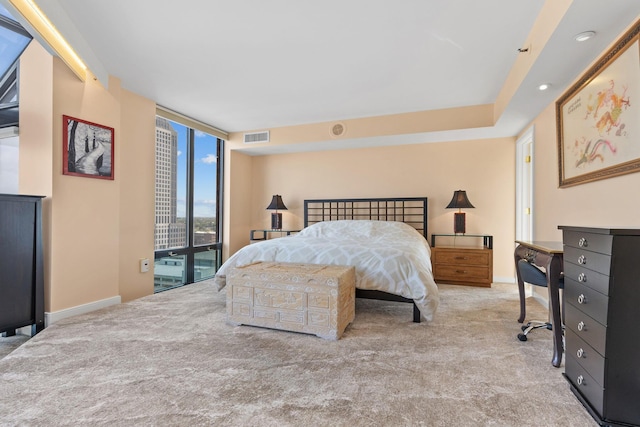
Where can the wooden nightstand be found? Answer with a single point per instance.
(458, 264)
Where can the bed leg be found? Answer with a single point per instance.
(416, 313)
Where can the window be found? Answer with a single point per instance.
(188, 189)
(13, 41)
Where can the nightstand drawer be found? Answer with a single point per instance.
(477, 257)
(462, 273)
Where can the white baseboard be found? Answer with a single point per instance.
(497, 279)
(53, 317)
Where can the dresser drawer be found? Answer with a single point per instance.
(592, 260)
(584, 383)
(478, 257)
(586, 328)
(586, 356)
(589, 278)
(601, 243)
(590, 302)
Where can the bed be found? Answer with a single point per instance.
(384, 238)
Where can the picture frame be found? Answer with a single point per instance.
(598, 118)
(88, 149)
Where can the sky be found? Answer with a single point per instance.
(204, 172)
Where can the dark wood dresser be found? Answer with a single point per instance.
(21, 263)
(602, 321)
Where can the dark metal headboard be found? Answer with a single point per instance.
(410, 210)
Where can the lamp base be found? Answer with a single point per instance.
(276, 221)
(459, 226)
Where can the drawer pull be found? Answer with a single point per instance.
(580, 380)
(581, 326)
(582, 277)
(580, 353)
(582, 260)
(582, 299)
(583, 242)
(462, 257)
(461, 271)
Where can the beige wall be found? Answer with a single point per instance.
(484, 168)
(84, 211)
(95, 230)
(476, 116)
(136, 172)
(601, 203)
(36, 136)
(238, 181)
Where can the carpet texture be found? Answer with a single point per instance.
(170, 359)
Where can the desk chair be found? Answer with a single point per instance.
(534, 276)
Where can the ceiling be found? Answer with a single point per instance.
(253, 64)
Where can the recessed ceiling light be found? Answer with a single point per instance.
(544, 86)
(584, 36)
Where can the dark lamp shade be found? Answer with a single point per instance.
(460, 200)
(277, 204)
(276, 217)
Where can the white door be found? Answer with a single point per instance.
(524, 186)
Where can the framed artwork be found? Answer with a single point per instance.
(598, 119)
(87, 149)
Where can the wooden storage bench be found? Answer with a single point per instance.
(310, 298)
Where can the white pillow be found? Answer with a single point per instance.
(358, 229)
(343, 229)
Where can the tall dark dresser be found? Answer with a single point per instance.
(21, 263)
(602, 321)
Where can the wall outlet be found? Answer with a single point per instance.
(144, 265)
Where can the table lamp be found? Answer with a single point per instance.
(459, 201)
(276, 217)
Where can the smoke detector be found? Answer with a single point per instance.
(338, 129)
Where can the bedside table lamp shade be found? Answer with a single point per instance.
(459, 201)
(276, 217)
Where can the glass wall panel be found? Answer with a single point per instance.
(188, 243)
(206, 264)
(169, 272)
(205, 167)
(171, 181)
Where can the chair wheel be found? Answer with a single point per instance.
(523, 327)
(522, 337)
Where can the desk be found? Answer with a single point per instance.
(549, 256)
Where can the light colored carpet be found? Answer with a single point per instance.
(170, 359)
(8, 344)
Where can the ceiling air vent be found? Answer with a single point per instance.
(256, 137)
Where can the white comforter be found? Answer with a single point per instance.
(389, 256)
